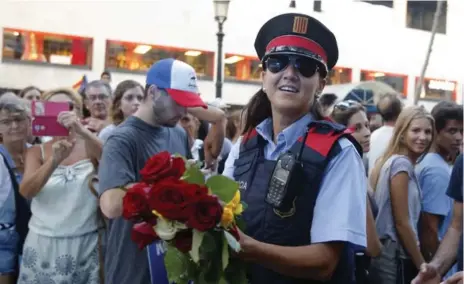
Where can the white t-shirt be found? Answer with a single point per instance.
(105, 132)
(195, 150)
(379, 142)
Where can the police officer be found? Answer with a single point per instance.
(302, 177)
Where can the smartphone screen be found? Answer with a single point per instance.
(44, 118)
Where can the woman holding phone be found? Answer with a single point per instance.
(63, 240)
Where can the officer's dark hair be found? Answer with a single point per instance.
(259, 108)
(327, 100)
(343, 115)
(444, 111)
(389, 106)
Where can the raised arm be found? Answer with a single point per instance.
(37, 172)
(215, 138)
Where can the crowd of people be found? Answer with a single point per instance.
(355, 207)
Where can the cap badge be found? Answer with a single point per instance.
(300, 25)
(193, 81)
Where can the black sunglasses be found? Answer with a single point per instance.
(306, 66)
(344, 105)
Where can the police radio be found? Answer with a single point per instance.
(285, 182)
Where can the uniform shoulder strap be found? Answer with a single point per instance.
(250, 141)
(321, 141)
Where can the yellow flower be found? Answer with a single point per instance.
(234, 207)
(235, 204)
(227, 217)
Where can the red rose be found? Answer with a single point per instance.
(195, 191)
(206, 213)
(135, 203)
(143, 234)
(171, 197)
(177, 167)
(183, 240)
(160, 166)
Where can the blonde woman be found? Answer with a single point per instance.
(398, 196)
(63, 241)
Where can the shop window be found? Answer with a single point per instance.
(44, 47)
(396, 81)
(317, 6)
(242, 68)
(420, 15)
(388, 4)
(139, 57)
(437, 89)
(338, 76)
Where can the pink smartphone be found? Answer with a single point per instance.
(44, 118)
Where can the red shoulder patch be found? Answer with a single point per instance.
(321, 142)
(250, 134)
(349, 130)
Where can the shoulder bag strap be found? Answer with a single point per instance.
(23, 212)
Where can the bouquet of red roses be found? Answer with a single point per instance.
(197, 219)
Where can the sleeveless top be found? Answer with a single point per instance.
(65, 206)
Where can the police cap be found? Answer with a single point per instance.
(298, 34)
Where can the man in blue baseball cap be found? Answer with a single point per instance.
(171, 90)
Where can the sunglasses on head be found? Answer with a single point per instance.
(344, 105)
(306, 66)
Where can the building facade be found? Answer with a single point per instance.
(54, 43)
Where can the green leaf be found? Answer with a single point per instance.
(178, 266)
(208, 245)
(194, 175)
(223, 187)
(196, 243)
(240, 223)
(236, 272)
(232, 242)
(225, 253)
(177, 155)
(223, 281)
(210, 258)
(244, 205)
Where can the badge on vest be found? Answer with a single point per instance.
(242, 185)
(288, 213)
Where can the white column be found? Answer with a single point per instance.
(355, 75)
(98, 62)
(400, 12)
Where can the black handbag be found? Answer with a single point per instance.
(406, 271)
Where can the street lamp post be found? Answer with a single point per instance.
(221, 7)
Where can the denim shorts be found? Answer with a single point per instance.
(8, 251)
